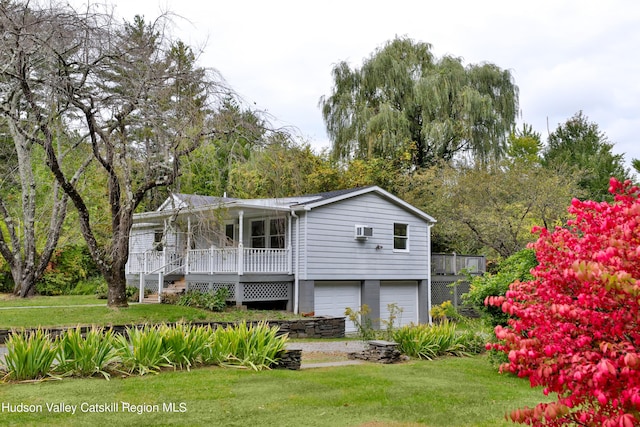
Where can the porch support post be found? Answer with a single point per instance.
(240, 245)
(160, 280)
(141, 287)
(289, 251)
(164, 245)
(239, 293)
(186, 257)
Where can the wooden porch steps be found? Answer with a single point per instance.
(176, 287)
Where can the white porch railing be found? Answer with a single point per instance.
(266, 260)
(453, 264)
(154, 261)
(211, 261)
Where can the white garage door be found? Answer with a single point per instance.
(405, 296)
(332, 298)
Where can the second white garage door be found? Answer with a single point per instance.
(332, 298)
(405, 295)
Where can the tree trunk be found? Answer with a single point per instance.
(25, 284)
(117, 294)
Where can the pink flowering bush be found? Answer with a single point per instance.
(575, 328)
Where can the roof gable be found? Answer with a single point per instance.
(337, 196)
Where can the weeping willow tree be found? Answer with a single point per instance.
(405, 103)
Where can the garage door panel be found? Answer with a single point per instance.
(332, 298)
(405, 295)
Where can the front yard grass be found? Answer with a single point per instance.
(444, 392)
(77, 310)
(9, 300)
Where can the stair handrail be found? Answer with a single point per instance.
(159, 269)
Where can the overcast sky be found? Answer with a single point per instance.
(565, 55)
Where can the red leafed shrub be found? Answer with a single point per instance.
(576, 326)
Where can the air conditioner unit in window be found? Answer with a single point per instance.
(363, 232)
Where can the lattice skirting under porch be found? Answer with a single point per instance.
(213, 287)
(255, 291)
(151, 285)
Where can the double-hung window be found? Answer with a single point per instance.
(268, 233)
(400, 237)
(229, 234)
(258, 234)
(276, 233)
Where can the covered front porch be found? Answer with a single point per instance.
(248, 274)
(208, 243)
(234, 260)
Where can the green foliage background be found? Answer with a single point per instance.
(516, 267)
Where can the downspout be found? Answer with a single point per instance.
(296, 282)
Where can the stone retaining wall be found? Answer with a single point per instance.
(313, 327)
(379, 351)
(289, 359)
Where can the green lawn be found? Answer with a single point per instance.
(444, 392)
(61, 311)
(8, 300)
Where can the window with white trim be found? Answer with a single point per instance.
(258, 234)
(158, 238)
(276, 233)
(268, 234)
(229, 234)
(400, 236)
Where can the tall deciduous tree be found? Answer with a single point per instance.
(32, 205)
(133, 93)
(281, 168)
(239, 133)
(28, 195)
(492, 207)
(403, 100)
(578, 146)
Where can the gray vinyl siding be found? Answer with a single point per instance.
(334, 254)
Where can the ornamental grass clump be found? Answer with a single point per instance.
(218, 348)
(254, 346)
(184, 345)
(34, 355)
(85, 356)
(142, 351)
(431, 341)
(30, 355)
